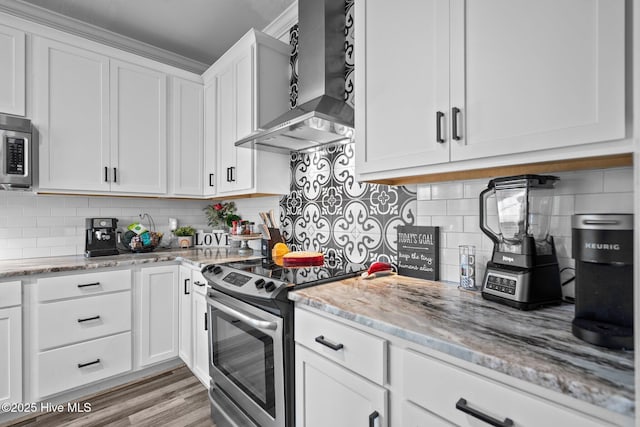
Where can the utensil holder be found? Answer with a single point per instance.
(268, 244)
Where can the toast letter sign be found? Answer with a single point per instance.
(419, 252)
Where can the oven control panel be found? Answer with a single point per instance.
(241, 282)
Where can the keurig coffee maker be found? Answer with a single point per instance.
(523, 271)
(602, 246)
(100, 237)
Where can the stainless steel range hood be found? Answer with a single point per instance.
(322, 117)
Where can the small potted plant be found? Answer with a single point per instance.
(185, 236)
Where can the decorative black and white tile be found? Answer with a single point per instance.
(293, 67)
(328, 210)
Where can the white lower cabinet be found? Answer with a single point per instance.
(185, 350)
(422, 387)
(157, 339)
(10, 342)
(332, 388)
(200, 331)
(79, 364)
(80, 330)
(330, 395)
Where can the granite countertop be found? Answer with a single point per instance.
(198, 257)
(534, 346)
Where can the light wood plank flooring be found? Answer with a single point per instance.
(170, 398)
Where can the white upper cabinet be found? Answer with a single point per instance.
(12, 71)
(406, 88)
(187, 137)
(536, 75)
(71, 113)
(491, 79)
(138, 129)
(250, 86)
(209, 150)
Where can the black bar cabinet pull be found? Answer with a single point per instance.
(233, 178)
(320, 339)
(86, 285)
(439, 116)
(82, 365)
(115, 174)
(462, 406)
(210, 180)
(372, 418)
(106, 174)
(206, 323)
(87, 319)
(454, 124)
(186, 290)
(228, 173)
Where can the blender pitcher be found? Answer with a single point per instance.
(523, 271)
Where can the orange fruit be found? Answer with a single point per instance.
(279, 249)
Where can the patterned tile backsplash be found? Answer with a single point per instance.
(327, 210)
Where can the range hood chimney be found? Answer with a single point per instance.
(322, 116)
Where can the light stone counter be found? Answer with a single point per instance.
(534, 346)
(197, 257)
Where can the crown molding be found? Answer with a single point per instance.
(280, 26)
(73, 26)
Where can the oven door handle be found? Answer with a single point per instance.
(258, 324)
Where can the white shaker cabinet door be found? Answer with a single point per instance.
(11, 355)
(330, 395)
(71, 113)
(226, 128)
(12, 71)
(187, 137)
(185, 343)
(138, 129)
(534, 75)
(245, 119)
(210, 142)
(200, 336)
(402, 88)
(158, 311)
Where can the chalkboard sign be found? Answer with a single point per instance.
(419, 252)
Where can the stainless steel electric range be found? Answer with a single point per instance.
(251, 348)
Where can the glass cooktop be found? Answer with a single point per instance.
(333, 269)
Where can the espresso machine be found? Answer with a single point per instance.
(602, 246)
(523, 271)
(100, 237)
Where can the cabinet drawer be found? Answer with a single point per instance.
(10, 294)
(77, 285)
(438, 386)
(359, 351)
(65, 322)
(62, 369)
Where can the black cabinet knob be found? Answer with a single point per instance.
(260, 283)
(269, 286)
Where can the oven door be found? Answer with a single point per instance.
(246, 357)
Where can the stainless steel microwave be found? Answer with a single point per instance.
(15, 153)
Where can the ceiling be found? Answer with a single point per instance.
(201, 30)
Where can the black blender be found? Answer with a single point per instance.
(523, 271)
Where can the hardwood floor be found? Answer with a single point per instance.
(170, 398)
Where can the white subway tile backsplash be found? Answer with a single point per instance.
(472, 189)
(50, 201)
(604, 203)
(423, 192)
(448, 223)
(49, 221)
(447, 190)
(76, 202)
(10, 253)
(36, 252)
(423, 220)
(66, 250)
(471, 224)
(100, 202)
(563, 205)
(463, 207)
(63, 211)
(432, 207)
(88, 212)
(581, 182)
(21, 221)
(21, 243)
(6, 233)
(456, 239)
(36, 232)
(560, 226)
(618, 180)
